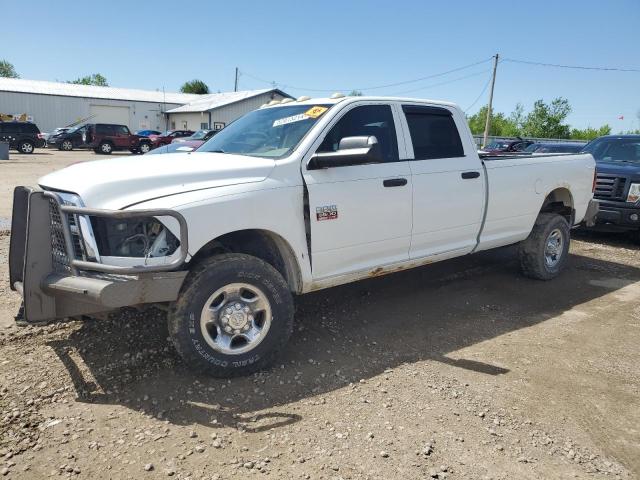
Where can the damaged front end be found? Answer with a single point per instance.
(67, 260)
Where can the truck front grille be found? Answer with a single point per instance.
(610, 187)
(59, 257)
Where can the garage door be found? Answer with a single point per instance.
(109, 114)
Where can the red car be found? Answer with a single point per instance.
(167, 137)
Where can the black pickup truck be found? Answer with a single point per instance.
(617, 182)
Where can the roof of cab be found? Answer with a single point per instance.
(333, 101)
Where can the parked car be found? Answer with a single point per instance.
(197, 139)
(559, 147)
(147, 133)
(173, 147)
(507, 146)
(617, 182)
(54, 132)
(22, 136)
(103, 138)
(288, 199)
(167, 137)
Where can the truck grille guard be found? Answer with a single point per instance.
(50, 261)
(67, 242)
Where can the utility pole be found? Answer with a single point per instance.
(487, 125)
(235, 86)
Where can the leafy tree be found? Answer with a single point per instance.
(195, 86)
(95, 79)
(546, 121)
(355, 93)
(7, 70)
(590, 133)
(500, 125)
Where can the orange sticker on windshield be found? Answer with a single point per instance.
(315, 112)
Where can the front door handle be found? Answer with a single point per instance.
(394, 182)
(468, 175)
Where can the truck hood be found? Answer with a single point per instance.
(619, 168)
(121, 182)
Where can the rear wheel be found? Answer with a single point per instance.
(105, 148)
(26, 146)
(544, 254)
(66, 145)
(233, 316)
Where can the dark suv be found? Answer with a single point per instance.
(103, 138)
(617, 182)
(23, 136)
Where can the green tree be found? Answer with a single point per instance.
(546, 120)
(95, 79)
(7, 70)
(590, 133)
(500, 125)
(355, 93)
(195, 86)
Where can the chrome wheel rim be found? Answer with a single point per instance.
(144, 148)
(27, 148)
(106, 148)
(554, 248)
(66, 145)
(235, 318)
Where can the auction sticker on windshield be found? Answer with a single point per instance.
(315, 112)
(291, 119)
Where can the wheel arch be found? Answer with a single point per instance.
(560, 201)
(260, 243)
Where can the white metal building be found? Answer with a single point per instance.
(54, 104)
(218, 109)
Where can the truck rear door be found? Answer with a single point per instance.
(448, 181)
(360, 215)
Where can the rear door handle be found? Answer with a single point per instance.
(395, 182)
(468, 175)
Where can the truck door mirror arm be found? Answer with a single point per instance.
(351, 151)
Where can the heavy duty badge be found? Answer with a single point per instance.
(329, 212)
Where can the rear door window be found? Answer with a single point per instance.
(433, 132)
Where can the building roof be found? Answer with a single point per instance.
(212, 101)
(20, 85)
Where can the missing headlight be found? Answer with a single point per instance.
(133, 237)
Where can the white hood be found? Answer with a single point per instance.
(116, 183)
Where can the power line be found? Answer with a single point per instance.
(484, 89)
(441, 83)
(375, 87)
(575, 67)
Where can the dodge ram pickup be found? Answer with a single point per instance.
(291, 198)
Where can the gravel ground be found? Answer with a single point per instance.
(460, 370)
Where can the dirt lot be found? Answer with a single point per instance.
(460, 370)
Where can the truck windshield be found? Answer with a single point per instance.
(626, 150)
(270, 132)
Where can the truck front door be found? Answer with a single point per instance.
(360, 215)
(448, 182)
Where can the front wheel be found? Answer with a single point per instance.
(144, 148)
(66, 145)
(233, 316)
(544, 254)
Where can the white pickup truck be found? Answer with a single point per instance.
(293, 197)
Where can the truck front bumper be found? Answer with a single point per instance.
(619, 216)
(54, 283)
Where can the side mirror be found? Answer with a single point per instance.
(351, 151)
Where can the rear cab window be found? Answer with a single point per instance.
(433, 132)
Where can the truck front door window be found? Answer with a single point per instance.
(367, 120)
